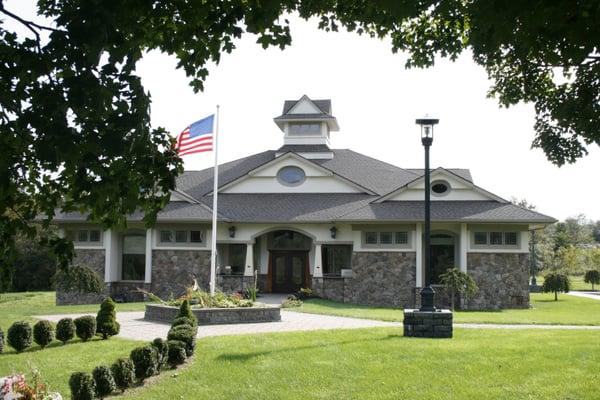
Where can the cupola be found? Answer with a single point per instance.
(306, 125)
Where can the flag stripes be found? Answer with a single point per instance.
(196, 138)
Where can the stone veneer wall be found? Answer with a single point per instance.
(378, 278)
(234, 283)
(93, 258)
(503, 280)
(174, 270)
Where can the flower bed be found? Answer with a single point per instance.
(215, 316)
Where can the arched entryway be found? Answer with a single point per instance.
(288, 261)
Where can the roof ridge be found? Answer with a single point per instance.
(375, 159)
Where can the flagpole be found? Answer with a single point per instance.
(213, 250)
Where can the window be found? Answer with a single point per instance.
(335, 258)
(480, 238)
(440, 188)
(304, 129)
(82, 236)
(133, 266)
(291, 176)
(237, 258)
(196, 236)
(510, 238)
(94, 236)
(181, 236)
(371, 238)
(401, 237)
(166, 236)
(496, 238)
(386, 239)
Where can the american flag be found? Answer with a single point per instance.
(196, 138)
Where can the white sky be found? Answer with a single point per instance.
(376, 101)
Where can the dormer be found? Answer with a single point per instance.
(306, 125)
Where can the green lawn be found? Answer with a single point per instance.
(568, 310)
(22, 306)
(381, 364)
(577, 283)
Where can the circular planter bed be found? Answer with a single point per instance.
(215, 316)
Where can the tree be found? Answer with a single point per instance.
(555, 282)
(592, 276)
(458, 283)
(75, 126)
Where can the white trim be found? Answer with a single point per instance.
(107, 254)
(148, 272)
(463, 245)
(318, 267)
(78, 247)
(249, 268)
(419, 255)
(182, 248)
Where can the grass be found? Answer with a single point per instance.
(23, 306)
(568, 310)
(381, 364)
(577, 283)
(57, 362)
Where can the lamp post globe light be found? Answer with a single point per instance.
(427, 293)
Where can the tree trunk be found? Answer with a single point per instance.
(452, 300)
(555, 296)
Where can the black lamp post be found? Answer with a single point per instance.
(427, 293)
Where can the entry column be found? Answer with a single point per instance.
(249, 270)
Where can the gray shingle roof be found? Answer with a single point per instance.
(462, 172)
(467, 211)
(324, 105)
(304, 148)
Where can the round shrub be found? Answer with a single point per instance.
(43, 333)
(177, 353)
(1, 341)
(185, 334)
(162, 351)
(186, 311)
(123, 372)
(105, 383)
(145, 360)
(183, 321)
(82, 386)
(65, 330)
(106, 320)
(85, 327)
(19, 336)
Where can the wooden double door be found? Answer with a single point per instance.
(289, 271)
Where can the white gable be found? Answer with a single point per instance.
(460, 189)
(318, 179)
(304, 106)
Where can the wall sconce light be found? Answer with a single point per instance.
(333, 231)
(232, 231)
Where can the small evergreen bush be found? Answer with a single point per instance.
(555, 282)
(106, 321)
(123, 372)
(186, 311)
(145, 360)
(1, 341)
(65, 330)
(182, 321)
(19, 336)
(105, 383)
(162, 350)
(82, 386)
(80, 279)
(185, 334)
(85, 327)
(43, 333)
(177, 354)
(592, 276)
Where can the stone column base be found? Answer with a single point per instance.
(429, 324)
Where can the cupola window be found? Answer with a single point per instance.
(305, 129)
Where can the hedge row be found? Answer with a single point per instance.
(143, 362)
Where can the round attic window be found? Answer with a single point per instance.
(440, 188)
(291, 176)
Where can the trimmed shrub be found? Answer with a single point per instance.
(1, 341)
(105, 383)
(106, 320)
(555, 282)
(82, 386)
(162, 351)
(177, 354)
(80, 279)
(65, 330)
(19, 336)
(43, 333)
(123, 372)
(182, 321)
(186, 311)
(592, 276)
(85, 327)
(185, 334)
(145, 360)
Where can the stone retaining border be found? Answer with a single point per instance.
(216, 316)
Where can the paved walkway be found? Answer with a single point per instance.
(133, 325)
(587, 295)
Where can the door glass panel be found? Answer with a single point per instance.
(134, 259)
(279, 270)
(297, 267)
